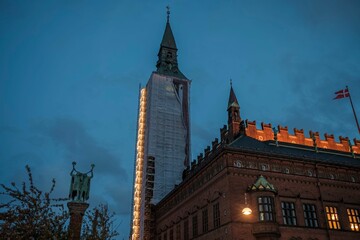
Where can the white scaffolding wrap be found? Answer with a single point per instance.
(167, 131)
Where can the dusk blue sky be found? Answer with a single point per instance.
(70, 72)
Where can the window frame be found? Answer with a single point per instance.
(289, 213)
(354, 219)
(195, 226)
(205, 220)
(216, 215)
(332, 217)
(266, 209)
(186, 230)
(310, 215)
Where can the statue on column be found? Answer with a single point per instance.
(80, 184)
(78, 195)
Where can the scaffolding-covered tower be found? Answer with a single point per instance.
(163, 137)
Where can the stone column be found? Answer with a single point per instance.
(77, 211)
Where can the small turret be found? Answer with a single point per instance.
(234, 119)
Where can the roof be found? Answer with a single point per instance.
(233, 102)
(305, 153)
(262, 184)
(168, 38)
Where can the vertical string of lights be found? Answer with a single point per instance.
(139, 166)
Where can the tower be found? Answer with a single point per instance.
(234, 119)
(163, 135)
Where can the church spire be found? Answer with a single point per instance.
(234, 119)
(233, 102)
(167, 57)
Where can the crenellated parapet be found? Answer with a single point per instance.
(280, 134)
(207, 155)
(267, 132)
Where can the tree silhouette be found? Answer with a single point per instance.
(31, 213)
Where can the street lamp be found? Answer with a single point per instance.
(246, 210)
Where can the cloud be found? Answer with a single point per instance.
(80, 146)
(313, 108)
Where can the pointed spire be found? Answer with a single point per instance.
(233, 102)
(168, 38)
(234, 118)
(167, 63)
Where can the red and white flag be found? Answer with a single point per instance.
(342, 93)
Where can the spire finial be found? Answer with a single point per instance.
(230, 82)
(168, 12)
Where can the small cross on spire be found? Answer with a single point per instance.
(230, 82)
(168, 12)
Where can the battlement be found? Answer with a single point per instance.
(267, 133)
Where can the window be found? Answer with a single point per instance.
(178, 232)
(354, 219)
(288, 212)
(310, 215)
(332, 217)
(205, 220)
(264, 167)
(266, 209)
(216, 215)
(171, 234)
(186, 229)
(195, 225)
(165, 236)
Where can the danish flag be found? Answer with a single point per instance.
(342, 93)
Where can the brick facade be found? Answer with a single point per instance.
(225, 178)
(298, 188)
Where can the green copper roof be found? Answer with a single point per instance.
(262, 184)
(167, 63)
(168, 38)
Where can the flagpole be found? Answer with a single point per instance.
(352, 106)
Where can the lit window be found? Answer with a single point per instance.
(354, 219)
(195, 225)
(288, 212)
(266, 209)
(216, 215)
(310, 215)
(205, 220)
(332, 217)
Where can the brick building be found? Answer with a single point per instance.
(298, 188)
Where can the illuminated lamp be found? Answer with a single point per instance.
(246, 210)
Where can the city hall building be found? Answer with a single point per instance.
(249, 183)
